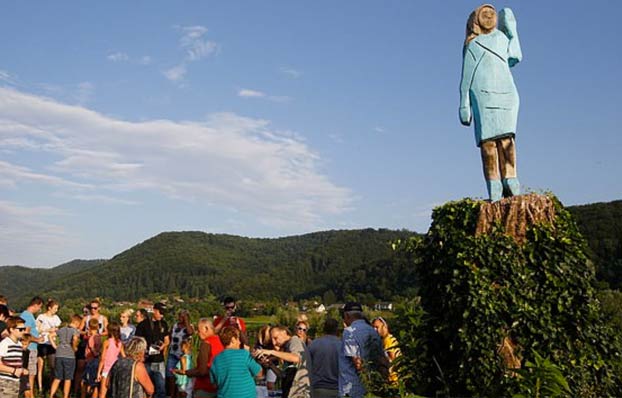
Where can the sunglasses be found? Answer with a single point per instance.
(21, 329)
(229, 307)
(94, 308)
(301, 329)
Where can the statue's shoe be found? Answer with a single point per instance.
(495, 190)
(512, 186)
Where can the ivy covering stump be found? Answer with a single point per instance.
(501, 283)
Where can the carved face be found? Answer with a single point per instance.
(487, 19)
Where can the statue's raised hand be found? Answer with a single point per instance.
(507, 23)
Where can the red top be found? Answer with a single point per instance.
(203, 382)
(231, 321)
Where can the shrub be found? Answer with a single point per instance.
(492, 300)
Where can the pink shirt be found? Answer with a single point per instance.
(111, 354)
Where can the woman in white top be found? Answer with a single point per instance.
(47, 325)
(127, 329)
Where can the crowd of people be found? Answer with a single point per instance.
(92, 357)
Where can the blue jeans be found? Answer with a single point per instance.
(156, 373)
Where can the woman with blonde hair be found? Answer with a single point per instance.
(302, 331)
(128, 376)
(127, 329)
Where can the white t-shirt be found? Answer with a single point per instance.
(46, 323)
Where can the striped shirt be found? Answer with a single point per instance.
(10, 355)
(233, 371)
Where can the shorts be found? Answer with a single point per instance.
(9, 388)
(90, 373)
(43, 350)
(24, 385)
(32, 362)
(64, 368)
(171, 363)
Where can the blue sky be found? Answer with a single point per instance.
(120, 120)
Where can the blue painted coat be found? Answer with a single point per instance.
(487, 91)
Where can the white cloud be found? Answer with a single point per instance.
(176, 73)
(118, 57)
(380, 130)
(26, 233)
(80, 93)
(290, 72)
(246, 93)
(123, 57)
(227, 160)
(7, 77)
(96, 199)
(22, 175)
(195, 46)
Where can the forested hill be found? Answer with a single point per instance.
(197, 264)
(354, 262)
(18, 281)
(601, 225)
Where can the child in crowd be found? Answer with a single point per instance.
(112, 348)
(65, 361)
(183, 382)
(93, 349)
(11, 359)
(24, 380)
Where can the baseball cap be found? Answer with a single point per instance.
(352, 306)
(160, 307)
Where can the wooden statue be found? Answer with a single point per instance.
(489, 97)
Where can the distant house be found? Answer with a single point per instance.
(337, 306)
(320, 309)
(146, 304)
(383, 306)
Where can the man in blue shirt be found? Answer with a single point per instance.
(359, 342)
(324, 355)
(31, 327)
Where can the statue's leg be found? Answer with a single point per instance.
(507, 162)
(490, 162)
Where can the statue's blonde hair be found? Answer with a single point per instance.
(473, 28)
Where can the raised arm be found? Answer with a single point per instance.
(507, 25)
